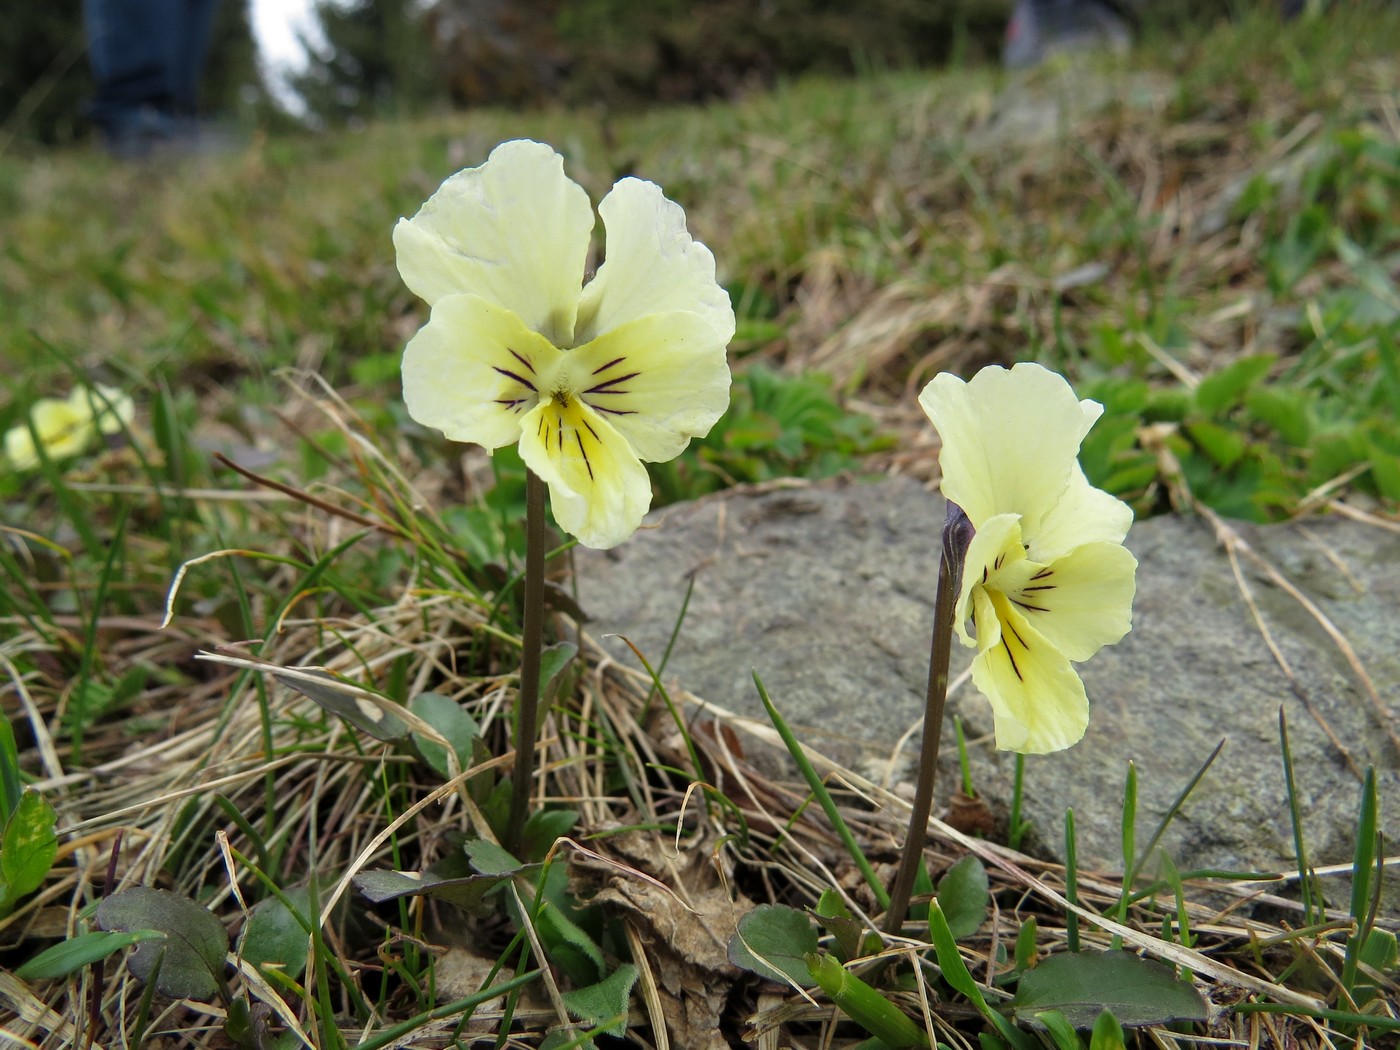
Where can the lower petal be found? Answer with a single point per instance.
(996, 543)
(1038, 701)
(598, 488)
(660, 380)
(1080, 602)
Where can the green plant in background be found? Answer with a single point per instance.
(1254, 447)
(777, 426)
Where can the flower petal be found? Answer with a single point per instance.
(109, 407)
(1038, 701)
(1080, 602)
(996, 542)
(1010, 439)
(598, 488)
(474, 371)
(652, 266)
(659, 380)
(63, 429)
(1083, 514)
(514, 231)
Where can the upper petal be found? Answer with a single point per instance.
(474, 370)
(514, 231)
(659, 380)
(652, 266)
(1038, 701)
(598, 489)
(1010, 439)
(1080, 602)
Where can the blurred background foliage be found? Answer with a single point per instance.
(395, 58)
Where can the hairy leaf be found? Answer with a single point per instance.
(605, 1001)
(467, 893)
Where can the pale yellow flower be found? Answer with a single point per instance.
(590, 379)
(1046, 579)
(66, 427)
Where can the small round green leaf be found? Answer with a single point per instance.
(1081, 985)
(456, 726)
(273, 936)
(773, 941)
(963, 896)
(194, 949)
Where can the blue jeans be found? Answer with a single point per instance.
(147, 59)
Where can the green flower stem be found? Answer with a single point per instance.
(957, 534)
(532, 645)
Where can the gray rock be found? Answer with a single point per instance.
(827, 592)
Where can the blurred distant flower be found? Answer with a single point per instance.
(1046, 579)
(590, 379)
(66, 427)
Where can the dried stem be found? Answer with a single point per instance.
(957, 533)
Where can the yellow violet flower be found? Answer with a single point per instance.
(1046, 580)
(590, 379)
(67, 426)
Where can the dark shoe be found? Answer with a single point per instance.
(148, 132)
(1041, 28)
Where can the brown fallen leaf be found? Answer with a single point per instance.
(971, 815)
(684, 932)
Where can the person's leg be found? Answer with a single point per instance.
(128, 41)
(147, 59)
(195, 25)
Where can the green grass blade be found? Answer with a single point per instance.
(696, 765)
(1362, 872)
(1016, 827)
(1071, 882)
(1312, 907)
(823, 796)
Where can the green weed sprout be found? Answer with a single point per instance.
(589, 380)
(1033, 558)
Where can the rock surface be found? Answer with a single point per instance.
(827, 592)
